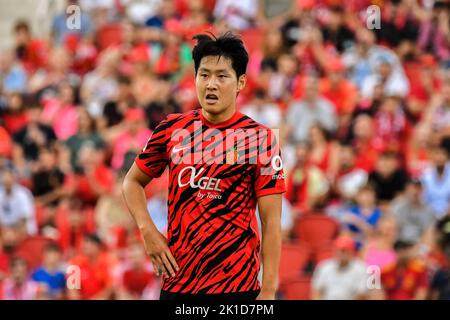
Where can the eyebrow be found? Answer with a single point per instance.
(216, 71)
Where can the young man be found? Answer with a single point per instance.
(221, 165)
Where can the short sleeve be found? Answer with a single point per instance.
(269, 175)
(153, 159)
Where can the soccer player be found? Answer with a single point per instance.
(221, 165)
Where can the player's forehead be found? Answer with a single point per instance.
(216, 64)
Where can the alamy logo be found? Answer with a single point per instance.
(373, 18)
(73, 21)
(73, 281)
(374, 277)
(231, 146)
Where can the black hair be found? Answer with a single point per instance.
(17, 260)
(53, 247)
(94, 238)
(402, 245)
(227, 45)
(21, 25)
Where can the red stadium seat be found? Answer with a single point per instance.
(317, 230)
(109, 35)
(298, 289)
(253, 39)
(323, 253)
(31, 249)
(294, 257)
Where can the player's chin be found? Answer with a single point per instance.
(213, 108)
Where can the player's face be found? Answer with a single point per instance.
(217, 85)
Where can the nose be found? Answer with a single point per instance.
(212, 83)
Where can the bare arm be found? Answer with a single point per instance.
(270, 215)
(156, 245)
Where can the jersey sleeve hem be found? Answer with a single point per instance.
(266, 192)
(144, 169)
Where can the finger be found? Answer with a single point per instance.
(156, 267)
(168, 265)
(162, 267)
(172, 260)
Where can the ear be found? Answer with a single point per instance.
(242, 81)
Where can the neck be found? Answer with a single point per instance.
(221, 117)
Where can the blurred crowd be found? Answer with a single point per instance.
(364, 126)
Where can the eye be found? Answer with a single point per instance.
(222, 76)
(203, 75)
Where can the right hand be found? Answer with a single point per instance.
(156, 246)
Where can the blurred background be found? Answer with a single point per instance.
(363, 114)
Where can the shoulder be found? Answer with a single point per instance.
(173, 119)
(359, 265)
(417, 266)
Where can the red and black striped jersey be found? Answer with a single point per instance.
(216, 172)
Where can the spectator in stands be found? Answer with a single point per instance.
(96, 267)
(60, 111)
(138, 280)
(367, 146)
(414, 218)
(86, 134)
(388, 177)
(364, 59)
(45, 81)
(239, 15)
(60, 32)
(438, 114)
(162, 105)
(312, 109)
(267, 57)
(16, 204)
(324, 152)
(262, 110)
(50, 275)
(100, 85)
(13, 77)
(115, 109)
(361, 219)
(14, 116)
(379, 250)
(440, 283)
(418, 153)
(393, 83)
(47, 186)
(129, 142)
(4, 260)
(390, 123)
(5, 145)
(339, 90)
(335, 30)
(34, 135)
(112, 221)
(436, 182)
(434, 32)
(93, 179)
(283, 79)
(18, 286)
(343, 277)
(32, 52)
(406, 279)
(306, 182)
(349, 177)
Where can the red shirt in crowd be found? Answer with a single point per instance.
(403, 284)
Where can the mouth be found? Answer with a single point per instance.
(211, 98)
